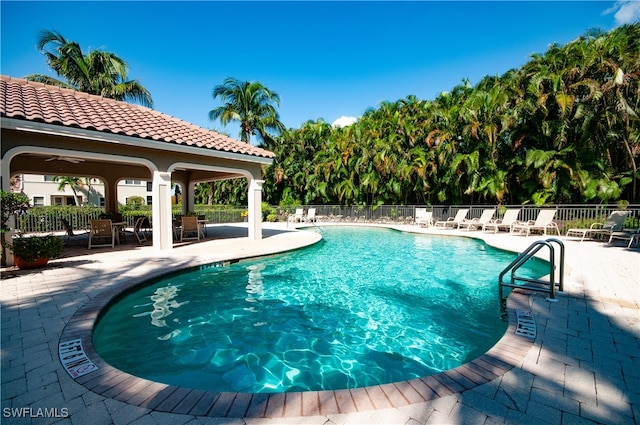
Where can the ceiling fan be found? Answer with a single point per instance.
(65, 158)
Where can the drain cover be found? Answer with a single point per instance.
(526, 324)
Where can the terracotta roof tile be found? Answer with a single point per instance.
(30, 101)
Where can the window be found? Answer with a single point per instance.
(38, 201)
(101, 202)
(133, 182)
(149, 199)
(149, 187)
(48, 178)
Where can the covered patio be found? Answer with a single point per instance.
(53, 131)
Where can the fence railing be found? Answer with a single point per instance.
(568, 215)
(47, 219)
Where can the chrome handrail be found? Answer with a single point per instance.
(523, 257)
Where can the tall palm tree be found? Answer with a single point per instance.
(251, 104)
(97, 72)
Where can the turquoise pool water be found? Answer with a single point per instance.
(365, 306)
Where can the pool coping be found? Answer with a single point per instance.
(111, 382)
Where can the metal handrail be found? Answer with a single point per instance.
(525, 256)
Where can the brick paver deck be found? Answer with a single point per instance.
(582, 368)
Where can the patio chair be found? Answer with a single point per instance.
(69, 231)
(453, 222)
(202, 221)
(190, 226)
(477, 223)
(311, 216)
(102, 229)
(508, 220)
(543, 222)
(613, 224)
(424, 217)
(137, 229)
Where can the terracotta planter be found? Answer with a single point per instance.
(37, 264)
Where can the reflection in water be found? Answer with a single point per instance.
(163, 302)
(255, 288)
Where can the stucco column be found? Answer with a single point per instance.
(255, 209)
(110, 195)
(190, 197)
(161, 210)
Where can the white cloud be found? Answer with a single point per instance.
(627, 11)
(344, 121)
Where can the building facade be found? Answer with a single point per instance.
(44, 190)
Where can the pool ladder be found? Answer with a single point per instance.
(536, 284)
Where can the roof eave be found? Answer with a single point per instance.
(80, 133)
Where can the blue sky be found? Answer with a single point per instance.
(324, 59)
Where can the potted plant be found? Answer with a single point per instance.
(11, 204)
(35, 252)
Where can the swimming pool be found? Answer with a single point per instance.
(364, 307)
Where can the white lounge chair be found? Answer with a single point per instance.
(311, 216)
(453, 222)
(613, 224)
(297, 217)
(477, 223)
(508, 220)
(424, 217)
(543, 222)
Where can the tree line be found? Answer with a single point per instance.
(563, 128)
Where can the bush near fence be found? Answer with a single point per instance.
(49, 219)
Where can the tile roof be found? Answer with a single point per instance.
(31, 101)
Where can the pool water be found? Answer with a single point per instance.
(365, 306)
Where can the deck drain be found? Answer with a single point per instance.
(74, 359)
(526, 324)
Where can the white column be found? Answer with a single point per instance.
(255, 209)
(161, 210)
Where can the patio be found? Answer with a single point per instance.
(583, 366)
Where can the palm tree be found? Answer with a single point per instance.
(73, 182)
(97, 72)
(251, 104)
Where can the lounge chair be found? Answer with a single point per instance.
(477, 223)
(613, 224)
(453, 222)
(631, 236)
(543, 222)
(297, 217)
(102, 229)
(424, 217)
(190, 226)
(311, 216)
(508, 220)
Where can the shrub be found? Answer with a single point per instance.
(30, 249)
